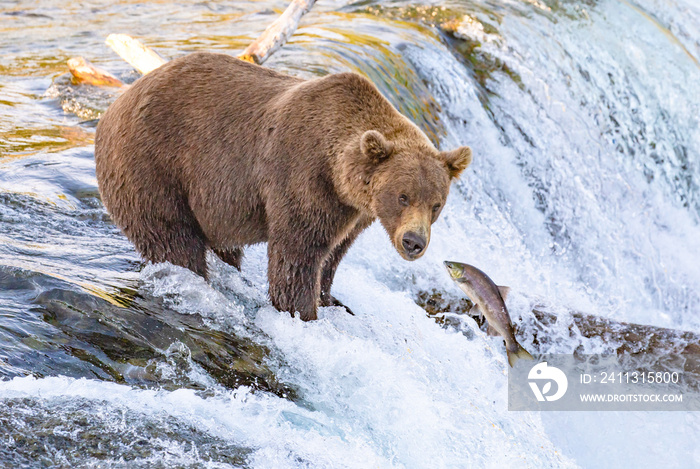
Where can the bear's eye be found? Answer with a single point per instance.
(403, 200)
(436, 207)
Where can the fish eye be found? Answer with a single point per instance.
(403, 200)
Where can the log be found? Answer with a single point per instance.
(277, 34)
(85, 72)
(141, 57)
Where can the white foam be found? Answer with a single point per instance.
(390, 378)
(281, 433)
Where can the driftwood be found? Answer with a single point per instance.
(85, 72)
(277, 34)
(145, 59)
(139, 56)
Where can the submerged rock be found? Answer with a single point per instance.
(148, 344)
(123, 337)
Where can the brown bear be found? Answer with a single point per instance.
(209, 151)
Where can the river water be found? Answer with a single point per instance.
(583, 196)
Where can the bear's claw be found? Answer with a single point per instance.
(330, 300)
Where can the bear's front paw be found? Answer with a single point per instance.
(329, 300)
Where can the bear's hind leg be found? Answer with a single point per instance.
(172, 234)
(190, 252)
(230, 256)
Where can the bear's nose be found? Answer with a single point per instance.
(413, 244)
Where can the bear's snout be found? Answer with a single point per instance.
(413, 244)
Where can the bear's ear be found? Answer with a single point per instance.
(457, 160)
(375, 147)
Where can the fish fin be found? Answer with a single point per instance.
(504, 292)
(476, 311)
(490, 330)
(518, 354)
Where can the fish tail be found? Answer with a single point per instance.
(517, 353)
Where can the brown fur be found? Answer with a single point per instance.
(209, 151)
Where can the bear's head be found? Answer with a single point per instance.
(408, 183)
